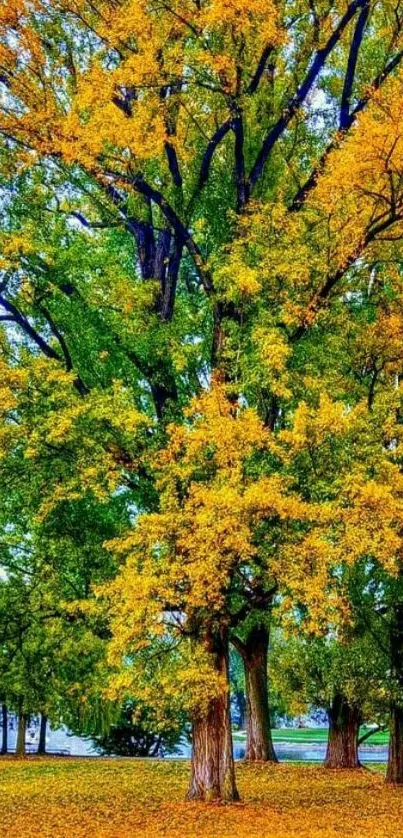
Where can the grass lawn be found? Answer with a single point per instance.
(302, 736)
(112, 798)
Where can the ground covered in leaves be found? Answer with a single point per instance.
(112, 798)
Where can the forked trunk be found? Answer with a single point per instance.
(212, 770)
(259, 747)
(344, 726)
(21, 734)
(42, 734)
(4, 722)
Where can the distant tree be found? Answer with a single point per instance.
(347, 677)
(138, 733)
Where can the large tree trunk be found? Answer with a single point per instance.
(213, 772)
(254, 651)
(4, 720)
(42, 734)
(21, 734)
(394, 772)
(344, 726)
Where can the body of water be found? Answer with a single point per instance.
(287, 752)
(61, 741)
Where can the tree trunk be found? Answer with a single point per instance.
(344, 726)
(240, 699)
(4, 719)
(394, 772)
(21, 734)
(212, 771)
(259, 746)
(42, 734)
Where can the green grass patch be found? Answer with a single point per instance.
(302, 736)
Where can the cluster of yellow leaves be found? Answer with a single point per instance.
(360, 187)
(380, 346)
(356, 197)
(181, 562)
(235, 279)
(372, 518)
(75, 108)
(272, 353)
(13, 247)
(121, 798)
(311, 427)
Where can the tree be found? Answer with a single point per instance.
(346, 676)
(237, 682)
(253, 647)
(132, 730)
(43, 721)
(183, 585)
(4, 725)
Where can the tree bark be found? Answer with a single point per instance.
(212, 770)
(344, 726)
(394, 771)
(21, 734)
(254, 651)
(240, 699)
(42, 734)
(4, 719)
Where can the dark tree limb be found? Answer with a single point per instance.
(241, 186)
(333, 279)
(356, 42)
(173, 164)
(182, 233)
(78, 382)
(215, 141)
(29, 330)
(309, 184)
(256, 78)
(297, 100)
(20, 320)
(171, 282)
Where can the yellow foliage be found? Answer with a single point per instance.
(183, 561)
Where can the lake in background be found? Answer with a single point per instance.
(62, 742)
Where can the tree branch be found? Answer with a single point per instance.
(297, 100)
(351, 67)
(183, 234)
(173, 164)
(78, 382)
(241, 187)
(371, 732)
(309, 184)
(25, 325)
(219, 135)
(334, 278)
(254, 84)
